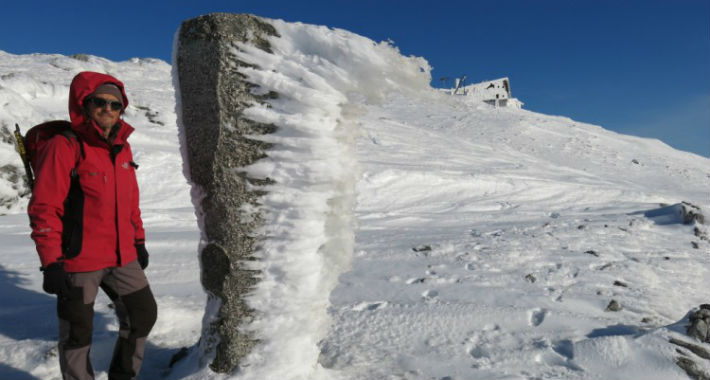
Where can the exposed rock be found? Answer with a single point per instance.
(700, 325)
(694, 348)
(213, 97)
(14, 175)
(6, 135)
(151, 115)
(606, 266)
(691, 368)
(692, 213)
(81, 57)
(51, 353)
(698, 329)
(18, 182)
(684, 212)
(614, 305)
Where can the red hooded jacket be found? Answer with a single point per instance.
(104, 223)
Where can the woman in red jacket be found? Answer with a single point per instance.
(87, 228)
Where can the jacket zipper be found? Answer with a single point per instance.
(114, 153)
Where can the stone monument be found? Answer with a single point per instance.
(212, 97)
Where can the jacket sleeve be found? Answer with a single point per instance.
(135, 208)
(46, 208)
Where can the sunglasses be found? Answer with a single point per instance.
(101, 103)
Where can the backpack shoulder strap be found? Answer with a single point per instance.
(72, 136)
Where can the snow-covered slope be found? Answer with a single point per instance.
(491, 241)
(487, 243)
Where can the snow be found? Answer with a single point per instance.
(410, 234)
(308, 212)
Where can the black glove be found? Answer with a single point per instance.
(142, 255)
(56, 280)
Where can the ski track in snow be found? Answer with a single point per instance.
(487, 242)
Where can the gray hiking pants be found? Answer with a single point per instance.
(135, 308)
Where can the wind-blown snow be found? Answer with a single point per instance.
(321, 76)
(411, 234)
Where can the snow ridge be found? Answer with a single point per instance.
(309, 211)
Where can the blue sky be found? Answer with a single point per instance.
(632, 66)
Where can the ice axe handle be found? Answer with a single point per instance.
(20, 146)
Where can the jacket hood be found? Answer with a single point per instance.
(83, 85)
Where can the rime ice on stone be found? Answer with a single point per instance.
(213, 96)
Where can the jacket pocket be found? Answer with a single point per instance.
(93, 181)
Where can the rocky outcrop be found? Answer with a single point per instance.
(692, 213)
(700, 324)
(695, 356)
(213, 95)
(12, 174)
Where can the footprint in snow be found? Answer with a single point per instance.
(430, 294)
(479, 352)
(537, 316)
